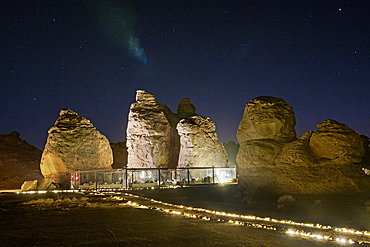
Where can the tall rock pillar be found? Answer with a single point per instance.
(152, 139)
(268, 124)
(199, 143)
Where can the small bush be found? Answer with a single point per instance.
(367, 205)
(286, 200)
(249, 196)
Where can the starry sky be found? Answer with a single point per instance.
(92, 56)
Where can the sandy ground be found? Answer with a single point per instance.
(339, 210)
(70, 219)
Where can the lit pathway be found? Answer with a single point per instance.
(314, 231)
(308, 231)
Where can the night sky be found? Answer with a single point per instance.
(92, 56)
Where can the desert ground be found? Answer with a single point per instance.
(179, 217)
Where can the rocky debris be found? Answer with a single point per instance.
(267, 118)
(119, 155)
(199, 143)
(46, 184)
(19, 161)
(321, 162)
(61, 201)
(29, 185)
(43, 184)
(152, 140)
(74, 144)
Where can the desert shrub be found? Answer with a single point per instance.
(367, 205)
(317, 201)
(249, 196)
(237, 194)
(285, 200)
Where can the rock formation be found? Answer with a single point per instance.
(199, 143)
(185, 109)
(152, 140)
(43, 184)
(272, 160)
(19, 161)
(74, 144)
(267, 118)
(336, 141)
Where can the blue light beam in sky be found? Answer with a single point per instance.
(118, 21)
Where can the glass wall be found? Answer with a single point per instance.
(98, 179)
(134, 178)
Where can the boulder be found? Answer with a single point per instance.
(185, 109)
(43, 184)
(152, 140)
(334, 140)
(29, 185)
(199, 143)
(267, 118)
(74, 144)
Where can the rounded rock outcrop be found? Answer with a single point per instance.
(74, 144)
(334, 140)
(269, 118)
(271, 160)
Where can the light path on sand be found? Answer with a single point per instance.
(303, 230)
(312, 231)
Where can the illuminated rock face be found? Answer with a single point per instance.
(268, 124)
(336, 141)
(267, 118)
(152, 140)
(74, 144)
(199, 143)
(316, 163)
(318, 168)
